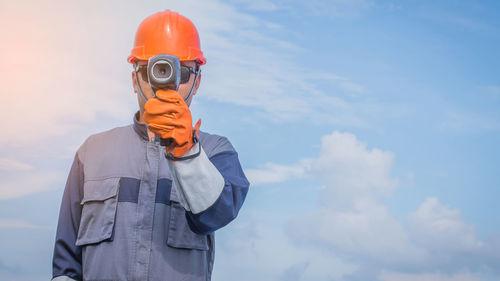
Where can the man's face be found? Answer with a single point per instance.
(183, 90)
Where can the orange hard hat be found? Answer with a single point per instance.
(169, 33)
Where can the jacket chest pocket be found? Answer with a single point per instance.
(100, 200)
(179, 234)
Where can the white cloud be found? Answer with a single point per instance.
(14, 223)
(350, 218)
(352, 222)
(352, 172)
(57, 78)
(260, 241)
(19, 185)
(65, 70)
(368, 231)
(13, 165)
(333, 8)
(441, 229)
(258, 5)
(395, 276)
(273, 173)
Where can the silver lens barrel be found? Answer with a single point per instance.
(164, 72)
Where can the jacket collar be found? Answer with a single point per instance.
(140, 128)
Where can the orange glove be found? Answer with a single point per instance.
(168, 116)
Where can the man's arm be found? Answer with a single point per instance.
(211, 190)
(67, 259)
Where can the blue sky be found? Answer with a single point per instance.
(368, 129)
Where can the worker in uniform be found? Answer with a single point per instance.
(134, 209)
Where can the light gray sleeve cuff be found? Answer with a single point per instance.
(197, 181)
(63, 278)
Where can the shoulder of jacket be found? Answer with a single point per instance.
(214, 144)
(104, 138)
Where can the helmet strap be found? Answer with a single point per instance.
(198, 72)
(136, 70)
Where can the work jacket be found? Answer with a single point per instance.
(129, 213)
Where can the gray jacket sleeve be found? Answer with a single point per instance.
(67, 258)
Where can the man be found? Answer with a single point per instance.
(135, 210)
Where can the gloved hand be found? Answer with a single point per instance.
(169, 116)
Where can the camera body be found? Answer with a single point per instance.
(164, 72)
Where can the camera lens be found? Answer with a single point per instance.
(162, 70)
